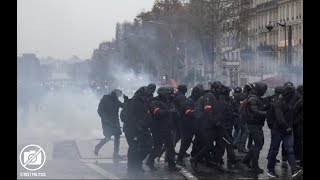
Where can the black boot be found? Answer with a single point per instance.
(151, 165)
(174, 168)
(247, 163)
(194, 164)
(257, 170)
(180, 162)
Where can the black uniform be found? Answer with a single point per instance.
(179, 102)
(138, 134)
(108, 110)
(189, 124)
(227, 126)
(210, 111)
(163, 112)
(256, 119)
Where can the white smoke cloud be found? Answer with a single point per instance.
(61, 114)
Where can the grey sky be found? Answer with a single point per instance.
(62, 28)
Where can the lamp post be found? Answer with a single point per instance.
(173, 42)
(289, 60)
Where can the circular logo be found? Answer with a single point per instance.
(32, 157)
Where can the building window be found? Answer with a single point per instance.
(243, 81)
(237, 56)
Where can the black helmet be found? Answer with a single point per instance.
(217, 86)
(260, 88)
(182, 88)
(278, 90)
(196, 92)
(237, 90)
(152, 86)
(288, 90)
(288, 84)
(248, 87)
(165, 90)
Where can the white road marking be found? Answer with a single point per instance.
(101, 171)
(187, 174)
(101, 161)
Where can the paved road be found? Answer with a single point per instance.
(74, 159)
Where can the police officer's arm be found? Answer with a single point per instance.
(188, 109)
(279, 115)
(255, 108)
(156, 110)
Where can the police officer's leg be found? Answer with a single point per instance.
(196, 144)
(274, 149)
(157, 144)
(243, 137)
(248, 158)
(185, 143)
(131, 149)
(258, 139)
(219, 147)
(250, 140)
(229, 148)
(208, 137)
(168, 137)
(283, 153)
(145, 142)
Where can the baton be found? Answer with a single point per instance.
(226, 140)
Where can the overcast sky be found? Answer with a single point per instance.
(62, 28)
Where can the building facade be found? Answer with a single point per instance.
(267, 51)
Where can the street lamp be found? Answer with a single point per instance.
(270, 27)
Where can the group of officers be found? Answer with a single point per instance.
(212, 119)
